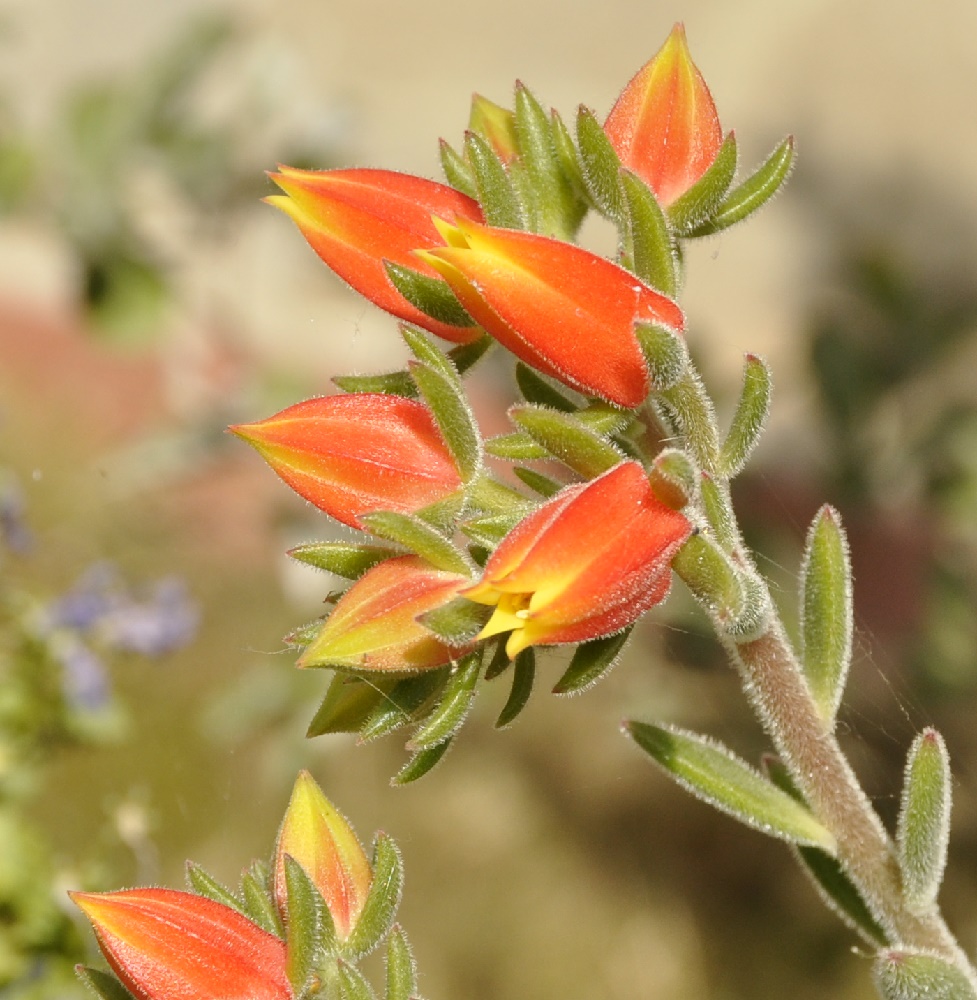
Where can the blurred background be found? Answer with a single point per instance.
(149, 711)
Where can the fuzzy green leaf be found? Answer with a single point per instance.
(591, 661)
(565, 438)
(489, 531)
(907, 975)
(754, 192)
(103, 985)
(448, 717)
(523, 675)
(391, 384)
(349, 702)
(673, 477)
(569, 160)
(349, 560)
(456, 170)
(536, 389)
(353, 985)
(496, 194)
(458, 621)
(717, 507)
(466, 356)
(689, 407)
(419, 537)
(826, 612)
(749, 418)
(380, 907)
(449, 404)
(711, 772)
(309, 931)
(432, 296)
(420, 763)
(697, 204)
(543, 485)
(259, 901)
(204, 884)
(601, 166)
(706, 570)
(401, 969)
(403, 703)
(666, 352)
(651, 248)
(924, 820)
(516, 447)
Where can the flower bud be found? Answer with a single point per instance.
(374, 624)
(357, 219)
(170, 945)
(354, 454)
(561, 309)
(316, 835)
(495, 124)
(665, 127)
(585, 564)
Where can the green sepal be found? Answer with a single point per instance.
(103, 985)
(450, 714)
(309, 929)
(405, 701)
(500, 661)
(749, 418)
(690, 408)
(901, 974)
(666, 353)
(923, 830)
(516, 447)
(605, 418)
(380, 907)
(701, 200)
(601, 167)
(591, 661)
(400, 967)
(458, 621)
(420, 763)
(523, 676)
(457, 172)
(496, 194)
(754, 192)
(543, 485)
(419, 537)
(432, 296)
(566, 439)
(650, 246)
(390, 384)
(535, 389)
(718, 509)
(554, 204)
(353, 985)
(569, 158)
(674, 478)
(709, 575)
(711, 772)
(449, 404)
(259, 901)
(466, 356)
(832, 883)
(489, 531)
(488, 495)
(350, 700)
(204, 884)
(826, 612)
(350, 560)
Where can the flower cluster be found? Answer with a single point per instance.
(297, 927)
(471, 567)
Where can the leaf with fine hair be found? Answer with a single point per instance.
(380, 907)
(448, 717)
(902, 974)
(749, 418)
(401, 969)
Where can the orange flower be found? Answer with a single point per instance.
(169, 945)
(374, 625)
(351, 455)
(664, 127)
(558, 307)
(586, 564)
(321, 840)
(357, 219)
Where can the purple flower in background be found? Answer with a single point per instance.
(84, 679)
(96, 592)
(159, 623)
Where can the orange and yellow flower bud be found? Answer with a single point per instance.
(356, 219)
(354, 454)
(316, 835)
(497, 125)
(586, 564)
(558, 307)
(665, 127)
(169, 945)
(374, 625)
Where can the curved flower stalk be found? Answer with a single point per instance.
(461, 577)
(296, 929)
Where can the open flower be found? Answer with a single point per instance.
(558, 307)
(374, 625)
(316, 835)
(170, 945)
(665, 127)
(357, 219)
(584, 565)
(351, 455)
